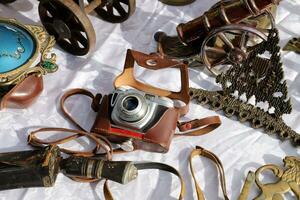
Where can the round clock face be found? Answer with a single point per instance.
(17, 47)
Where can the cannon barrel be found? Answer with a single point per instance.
(226, 13)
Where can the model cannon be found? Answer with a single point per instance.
(67, 20)
(222, 36)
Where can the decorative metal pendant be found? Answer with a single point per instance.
(293, 45)
(257, 80)
(24, 50)
(289, 180)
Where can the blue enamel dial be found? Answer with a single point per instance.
(17, 46)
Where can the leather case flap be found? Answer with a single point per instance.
(24, 93)
(153, 62)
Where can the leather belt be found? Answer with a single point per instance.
(199, 151)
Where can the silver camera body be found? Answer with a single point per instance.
(137, 110)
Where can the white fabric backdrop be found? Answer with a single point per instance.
(240, 147)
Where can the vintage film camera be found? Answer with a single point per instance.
(136, 109)
(140, 116)
(137, 115)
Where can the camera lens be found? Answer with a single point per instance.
(130, 103)
(132, 107)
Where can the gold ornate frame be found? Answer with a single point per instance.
(44, 43)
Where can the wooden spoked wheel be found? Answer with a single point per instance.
(229, 45)
(69, 24)
(6, 1)
(115, 11)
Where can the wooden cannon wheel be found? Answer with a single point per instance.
(229, 45)
(115, 11)
(69, 24)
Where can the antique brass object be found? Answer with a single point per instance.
(24, 50)
(293, 45)
(177, 2)
(288, 180)
(24, 58)
(224, 35)
(258, 78)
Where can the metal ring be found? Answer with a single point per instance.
(151, 62)
(254, 6)
(223, 14)
(246, 3)
(271, 17)
(206, 22)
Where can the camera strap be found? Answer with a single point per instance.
(101, 144)
(194, 127)
(199, 151)
(104, 144)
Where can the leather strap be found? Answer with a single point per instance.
(199, 127)
(195, 127)
(199, 151)
(73, 92)
(103, 143)
(100, 141)
(151, 165)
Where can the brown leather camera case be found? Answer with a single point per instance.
(157, 138)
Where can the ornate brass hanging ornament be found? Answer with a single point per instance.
(24, 50)
(293, 45)
(258, 78)
(288, 180)
(24, 58)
